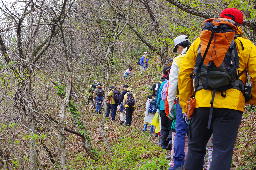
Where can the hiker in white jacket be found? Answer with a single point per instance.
(180, 148)
(150, 113)
(181, 45)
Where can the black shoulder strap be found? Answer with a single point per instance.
(241, 73)
(236, 37)
(206, 51)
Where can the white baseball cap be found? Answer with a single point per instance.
(179, 40)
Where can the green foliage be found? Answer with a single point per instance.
(60, 89)
(76, 115)
(15, 164)
(3, 126)
(245, 152)
(246, 6)
(73, 109)
(129, 152)
(34, 136)
(250, 109)
(155, 163)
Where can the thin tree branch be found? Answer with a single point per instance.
(40, 50)
(65, 128)
(8, 11)
(35, 31)
(190, 10)
(19, 32)
(206, 15)
(70, 131)
(51, 157)
(141, 38)
(19, 41)
(65, 48)
(152, 16)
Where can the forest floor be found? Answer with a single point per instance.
(128, 147)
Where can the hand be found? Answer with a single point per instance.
(185, 116)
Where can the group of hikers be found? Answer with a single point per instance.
(196, 107)
(122, 100)
(207, 87)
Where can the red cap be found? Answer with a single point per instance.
(234, 14)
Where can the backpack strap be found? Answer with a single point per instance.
(240, 41)
(198, 69)
(203, 58)
(234, 55)
(211, 109)
(197, 72)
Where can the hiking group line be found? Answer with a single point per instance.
(196, 107)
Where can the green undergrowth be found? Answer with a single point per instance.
(245, 150)
(129, 148)
(134, 150)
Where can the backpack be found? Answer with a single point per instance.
(99, 92)
(141, 61)
(217, 60)
(122, 95)
(130, 99)
(152, 106)
(164, 91)
(116, 96)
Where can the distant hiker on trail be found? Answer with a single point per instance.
(143, 62)
(129, 104)
(127, 73)
(165, 134)
(219, 59)
(109, 101)
(91, 93)
(121, 106)
(99, 97)
(181, 45)
(113, 99)
(151, 108)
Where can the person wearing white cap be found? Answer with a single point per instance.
(181, 45)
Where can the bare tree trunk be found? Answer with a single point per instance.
(103, 121)
(63, 124)
(62, 149)
(33, 153)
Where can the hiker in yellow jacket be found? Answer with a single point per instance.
(129, 104)
(227, 105)
(112, 102)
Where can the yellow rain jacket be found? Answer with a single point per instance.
(125, 99)
(234, 98)
(110, 96)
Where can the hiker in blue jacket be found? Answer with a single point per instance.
(143, 62)
(99, 97)
(165, 133)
